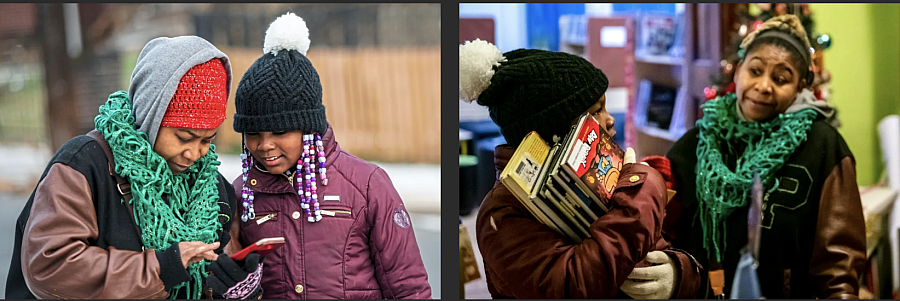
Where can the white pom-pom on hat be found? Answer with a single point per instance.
(288, 32)
(476, 61)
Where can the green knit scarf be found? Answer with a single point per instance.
(762, 147)
(191, 213)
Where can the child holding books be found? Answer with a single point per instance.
(534, 90)
(347, 232)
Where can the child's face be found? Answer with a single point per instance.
(181, 147)
(276, 151)
(598, 110)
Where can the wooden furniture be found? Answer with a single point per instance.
(876, 279)
(476, 28)
(691, 73)
(703, 41)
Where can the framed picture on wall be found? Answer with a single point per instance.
(656, 35)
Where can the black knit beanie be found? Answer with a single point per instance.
(281, 90)
(529, 90)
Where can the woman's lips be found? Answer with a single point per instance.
(760, 103)
(178, 167)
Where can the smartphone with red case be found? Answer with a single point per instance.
(263, 247)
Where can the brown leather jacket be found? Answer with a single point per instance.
(58, 261)
(813, 234)
(80, 241)
(524, 258)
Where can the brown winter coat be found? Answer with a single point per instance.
(524, 258)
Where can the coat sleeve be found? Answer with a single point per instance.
(689, 277)
(57, 258)
(530, 260)
(839, 247)
(398, 263)
(689, 281)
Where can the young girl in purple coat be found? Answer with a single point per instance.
(347, 232)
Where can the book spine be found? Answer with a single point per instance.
(520, 195)
(576, 215)
(554, 217)
(582, 199)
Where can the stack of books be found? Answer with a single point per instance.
(569, 184)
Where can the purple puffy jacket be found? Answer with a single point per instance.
(367, 250)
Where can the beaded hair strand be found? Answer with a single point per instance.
(304, 178)
(246, 193)
(309, 199)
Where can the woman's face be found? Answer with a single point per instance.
(276, 151)
(767, 82)
(598, 110)
(181, 147)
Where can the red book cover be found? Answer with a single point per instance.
(595, 158)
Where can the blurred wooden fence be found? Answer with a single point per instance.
(383, 103)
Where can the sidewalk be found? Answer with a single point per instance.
(22, 167)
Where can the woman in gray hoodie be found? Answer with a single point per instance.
(136, 208)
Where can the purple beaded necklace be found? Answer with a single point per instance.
(306, 189)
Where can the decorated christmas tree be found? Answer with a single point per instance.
(749, 19)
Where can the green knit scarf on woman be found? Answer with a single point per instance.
(191, 213)
(762, 148)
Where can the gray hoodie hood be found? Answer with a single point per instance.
(160, 66)
(806, 100)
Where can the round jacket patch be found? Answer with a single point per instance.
(401, 218)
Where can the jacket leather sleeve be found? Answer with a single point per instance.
(398, 263)
(530, 260)
(839, 248)
(58, 261)
(234, 245)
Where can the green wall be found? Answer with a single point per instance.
(864, 60)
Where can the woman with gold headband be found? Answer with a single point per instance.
(812, 231)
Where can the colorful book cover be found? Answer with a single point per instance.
(528, 160)
(596, 159)
(522, 176)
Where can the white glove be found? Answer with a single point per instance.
(630, 157)
(653, 282)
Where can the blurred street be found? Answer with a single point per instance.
(379, 66)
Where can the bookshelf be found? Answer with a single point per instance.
(701, 37)
(699, 31)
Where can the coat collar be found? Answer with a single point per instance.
(502, 154)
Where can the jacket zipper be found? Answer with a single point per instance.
(333, 212)
(290, 179)
(265, 218)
